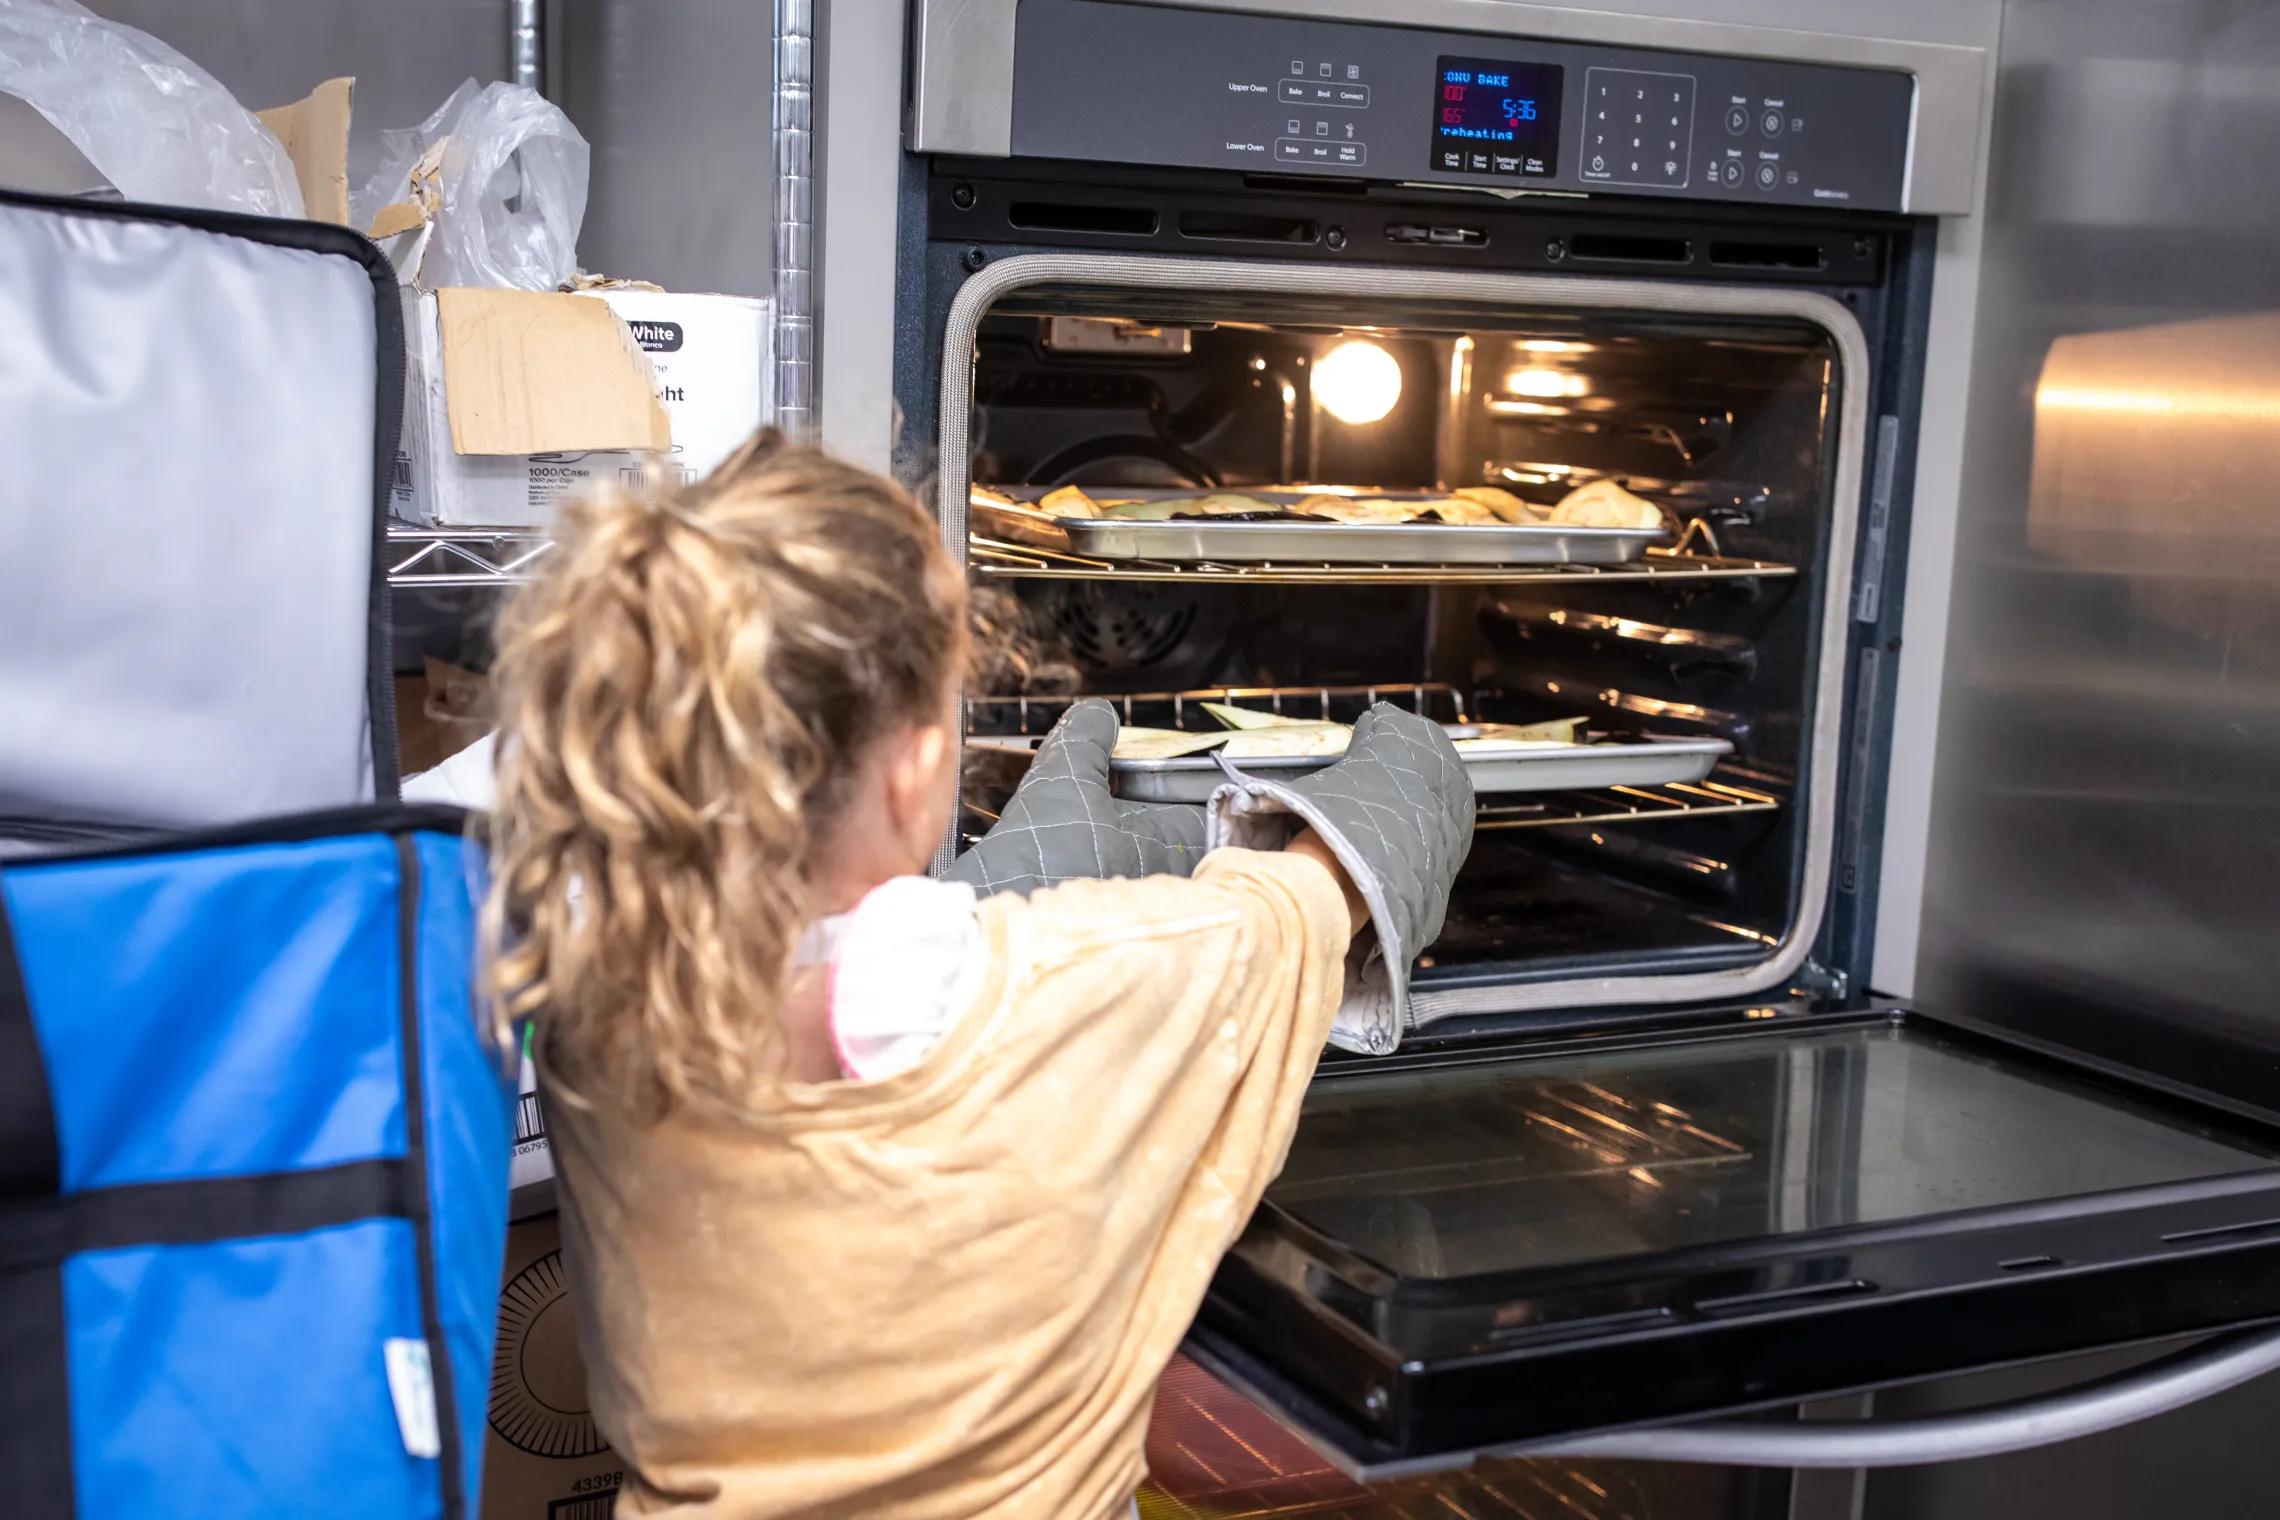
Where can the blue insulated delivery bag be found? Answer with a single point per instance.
(253, 1173)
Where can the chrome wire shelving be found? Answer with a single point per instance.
(442, 558)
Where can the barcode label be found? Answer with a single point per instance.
(590, 1507)
(530, 1124)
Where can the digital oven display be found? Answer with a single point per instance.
(1496, 118)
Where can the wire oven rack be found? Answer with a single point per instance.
(1175, 709)
(995, 557)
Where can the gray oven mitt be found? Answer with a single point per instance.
(1062, 823)
(1397, 811)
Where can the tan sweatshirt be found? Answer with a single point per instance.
(949, 1293)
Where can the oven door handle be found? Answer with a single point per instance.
(2156, 1388)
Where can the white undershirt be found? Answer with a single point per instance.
(905, 965)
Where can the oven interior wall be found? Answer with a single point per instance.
(1725, 424)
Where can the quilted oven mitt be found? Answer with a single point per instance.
(1062, 823)
(1397, 811)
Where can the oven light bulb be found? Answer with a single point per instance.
(1357, 382)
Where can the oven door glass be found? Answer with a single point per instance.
(1463, 1252)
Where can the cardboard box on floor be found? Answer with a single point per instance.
(542, 1457)
(516, 400)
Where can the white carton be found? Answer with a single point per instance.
(709, 356)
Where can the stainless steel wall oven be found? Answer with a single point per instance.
(1652, 1148)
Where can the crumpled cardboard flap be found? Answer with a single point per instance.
(532, 372)
(314, 131)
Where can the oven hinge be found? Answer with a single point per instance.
(1816, 980)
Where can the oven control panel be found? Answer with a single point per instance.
(1112, 82)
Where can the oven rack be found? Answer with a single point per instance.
(1034, 715)
(440, 558)
(1712, 798)
(1623, 804)
(995, 557)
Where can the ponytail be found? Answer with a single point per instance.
(684, 689)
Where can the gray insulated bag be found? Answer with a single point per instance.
(198, 418)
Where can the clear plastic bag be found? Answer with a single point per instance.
(155, 124)
(509, 191)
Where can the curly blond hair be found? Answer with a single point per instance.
(683, 689)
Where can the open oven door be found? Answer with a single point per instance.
(1586, 1246)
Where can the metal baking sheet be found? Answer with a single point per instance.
(1645, 762)
(1358, 543)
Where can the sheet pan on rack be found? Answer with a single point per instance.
(1531, 768)
(1267, 539)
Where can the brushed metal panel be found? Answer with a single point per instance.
(406, 55)
(962, 100)
(2105, 836)
(675, 100)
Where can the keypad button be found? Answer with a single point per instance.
(1738, 120)
(1731, 174)
(1770, 124)
(1767, 174)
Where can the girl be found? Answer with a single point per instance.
(879, 1198)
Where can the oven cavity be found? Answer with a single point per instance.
(1614, 522)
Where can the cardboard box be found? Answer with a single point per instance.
(516, 400)
(542, 1457)
(314, 131)
(439, 713)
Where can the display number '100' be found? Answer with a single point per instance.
(1520, 110)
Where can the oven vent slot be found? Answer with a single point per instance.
(1060, 216)
(1626, 248)
(1441, 237)
(1248, 227)
(1730, 255)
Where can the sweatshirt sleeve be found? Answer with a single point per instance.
(1212, 994)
